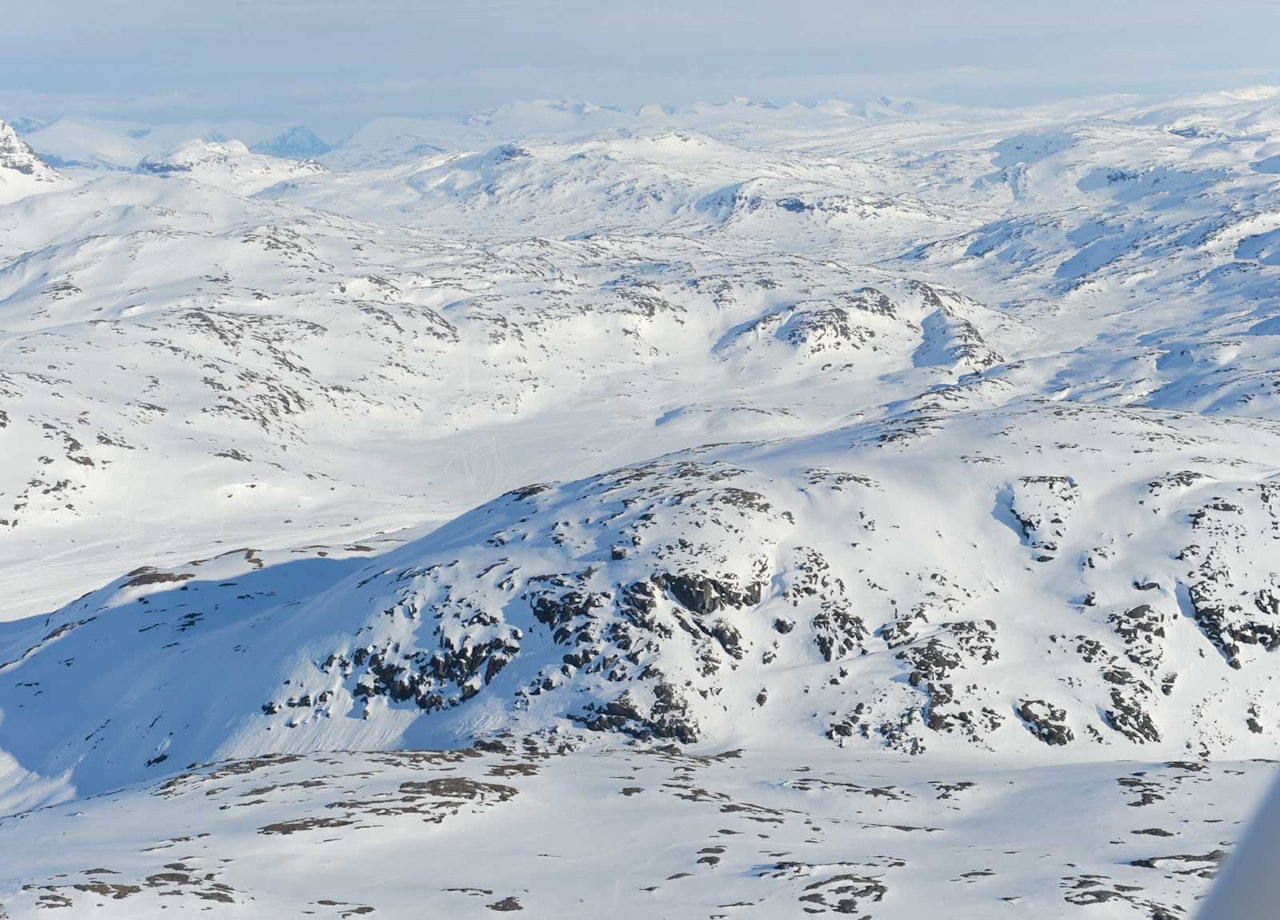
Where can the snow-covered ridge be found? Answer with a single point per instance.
(872, 587)
(227, 164)
(22, 172)
(16, 155)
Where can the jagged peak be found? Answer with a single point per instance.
(17, 157)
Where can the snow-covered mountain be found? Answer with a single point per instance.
(22, 172)
(970, 582)
(102, 144)
(838, 434)
(297, 142)
(230, 165)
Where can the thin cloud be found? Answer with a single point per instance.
(335, 64)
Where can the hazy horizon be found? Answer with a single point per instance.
(317, 62)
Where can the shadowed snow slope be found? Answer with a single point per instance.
(961, 582)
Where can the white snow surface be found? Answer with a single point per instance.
(897, 447)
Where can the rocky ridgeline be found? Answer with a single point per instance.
(22, 171)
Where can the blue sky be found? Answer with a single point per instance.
(336, 64)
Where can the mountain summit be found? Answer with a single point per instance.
(228, 164)
(296, 143)
(18, 161)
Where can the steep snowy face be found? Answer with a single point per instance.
(16, 155)
(22, 172)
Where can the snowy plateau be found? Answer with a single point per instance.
(732, 511)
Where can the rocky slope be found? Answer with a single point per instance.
(969, 583)
(22, 171)
(504, 829)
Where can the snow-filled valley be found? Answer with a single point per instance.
(740, 510)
